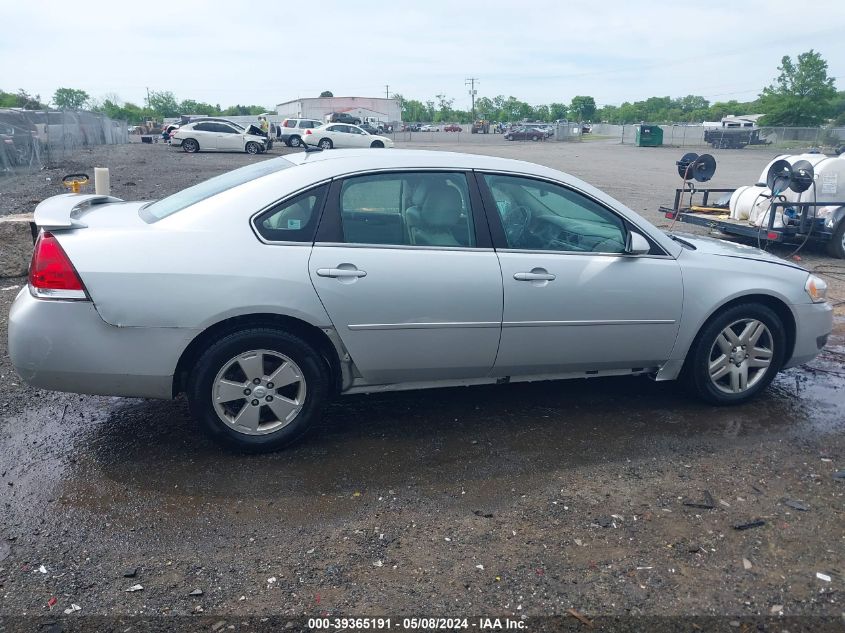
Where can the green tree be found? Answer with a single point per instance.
(542, 113)
(801, 95)
(189, 106)
(244, 110)
(21, 99)
(163, 104)
(558, 111)
(583, 107)
(329, 93)
(70, 98)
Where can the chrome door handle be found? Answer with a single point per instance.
(340, 272)
(534, 275)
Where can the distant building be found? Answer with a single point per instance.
(365, 108)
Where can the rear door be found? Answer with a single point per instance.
(414, 296)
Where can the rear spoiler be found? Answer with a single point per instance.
(63, 211)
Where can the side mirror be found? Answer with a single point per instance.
(636, 244)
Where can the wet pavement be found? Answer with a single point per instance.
(565, 494)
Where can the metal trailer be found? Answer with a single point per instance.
(799, 222)
(733, 137)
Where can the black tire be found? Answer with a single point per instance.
(325, 143)
(699, 357)
(535, 138)
(190, 145)
(252, 148)
(294, 141)
(836, 245)
(315, 373)
(377, 144)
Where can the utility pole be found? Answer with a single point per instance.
(148, 97)
(471, 81)
(386, 91)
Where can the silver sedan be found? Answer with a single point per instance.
(265, 291)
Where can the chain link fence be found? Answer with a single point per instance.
(685, 135)
(31, 139)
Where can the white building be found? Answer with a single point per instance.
(373, 109)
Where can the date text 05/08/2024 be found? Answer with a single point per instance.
(423, 623)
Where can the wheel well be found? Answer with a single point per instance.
(309, 333)
(377, 144)
(776, 305)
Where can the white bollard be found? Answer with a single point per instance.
(102, 181)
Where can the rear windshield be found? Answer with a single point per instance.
(159, 209)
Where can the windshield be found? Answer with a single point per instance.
(159, 209)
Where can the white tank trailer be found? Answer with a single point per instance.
(752, 202)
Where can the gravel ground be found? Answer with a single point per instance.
(517, 500)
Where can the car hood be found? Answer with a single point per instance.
(723, 248)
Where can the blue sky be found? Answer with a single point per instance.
(266, 52)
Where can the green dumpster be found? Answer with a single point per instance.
(649, 135)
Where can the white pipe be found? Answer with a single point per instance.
(102, 181)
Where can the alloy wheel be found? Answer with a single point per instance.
(259, 392)
(741, 356)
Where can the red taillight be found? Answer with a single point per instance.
(772, 235)
(308, 131)
(51, 274)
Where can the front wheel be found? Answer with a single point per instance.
(258, 390)
(325, 143)
(190, 146)
(377, 144)
(836, 245)
(252, 148)
(737, 354)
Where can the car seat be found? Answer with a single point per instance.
(439, 215)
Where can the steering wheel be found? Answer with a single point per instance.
(515, 220)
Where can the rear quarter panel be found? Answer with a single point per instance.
(198, 266)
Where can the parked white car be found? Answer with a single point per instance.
(344, 136)
(218, 136)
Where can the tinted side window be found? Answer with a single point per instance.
(294, 220)
(225, 129)
(289, 123)
(538, 215)
(408, 209)
(204, 127)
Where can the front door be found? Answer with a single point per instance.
(412, 286)
(574, 301)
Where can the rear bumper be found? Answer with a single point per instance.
(814, 323)
(66, 346)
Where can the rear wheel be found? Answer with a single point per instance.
(190, 146)
(253, 148)
(737, 354)
(294, 141)
(326, 143)
(836, 245)
(258, 390)
(535, 138)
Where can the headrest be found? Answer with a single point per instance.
(442, 207)
(419, 194)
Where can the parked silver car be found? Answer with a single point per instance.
(264, 291)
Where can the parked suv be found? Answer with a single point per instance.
(343, 117)
(291, 131)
